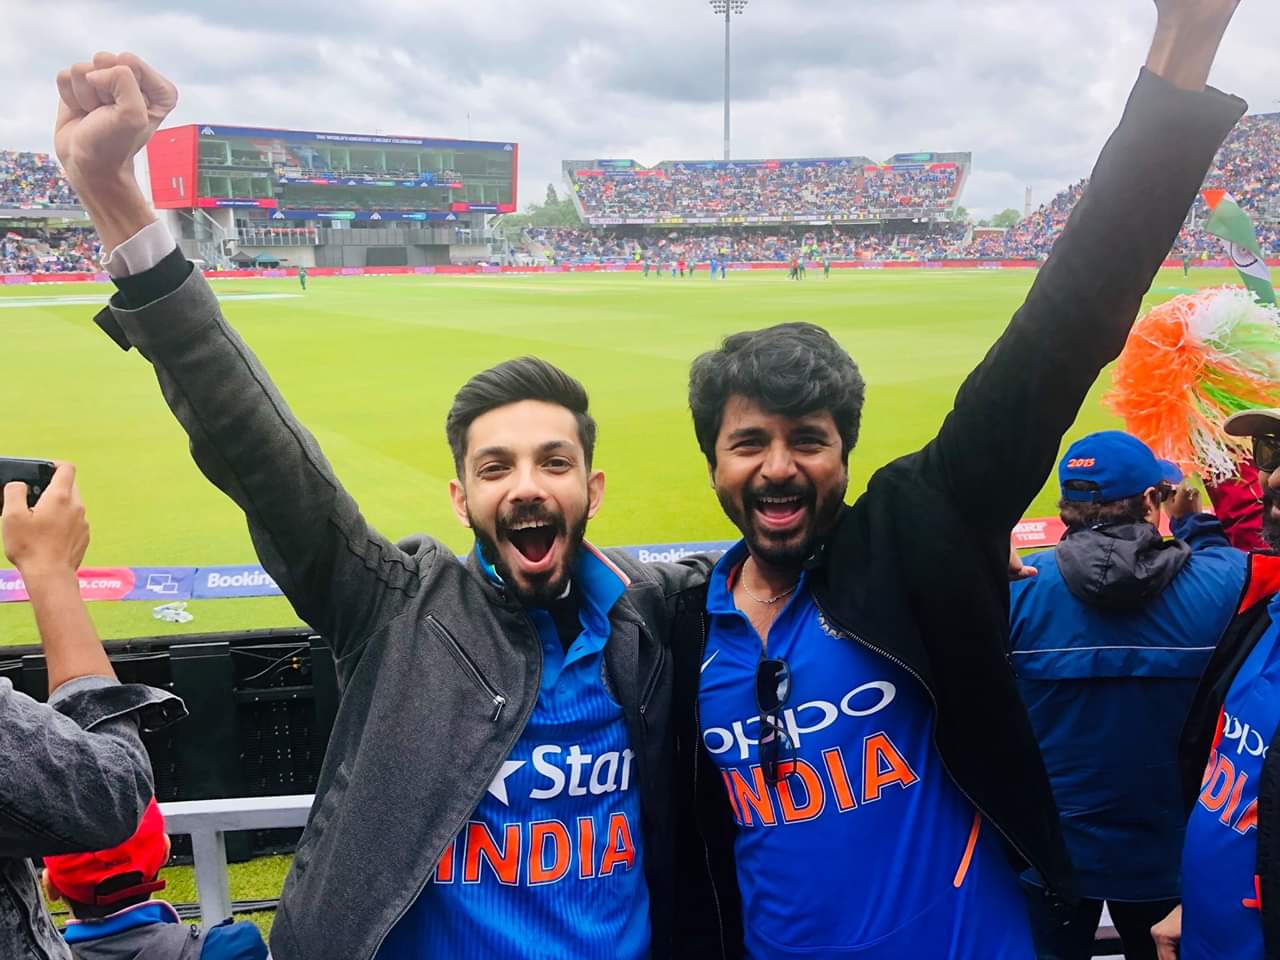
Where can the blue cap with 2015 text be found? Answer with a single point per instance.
(1112, 465)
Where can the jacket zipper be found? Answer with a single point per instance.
(933, 734)
(696, 746)
(469, 667)
(652, 683)
(499, 702)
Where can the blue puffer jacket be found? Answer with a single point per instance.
(1108, 643)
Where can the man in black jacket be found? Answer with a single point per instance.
(852, 755)
(1230, 759)
(498, 764)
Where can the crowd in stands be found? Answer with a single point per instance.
(1248, 165)
(1029, 240)
(891, 188)
(845, 187)
(70, 250)
(33, 180)
(777, 244)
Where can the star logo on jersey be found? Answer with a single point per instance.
(499, 785)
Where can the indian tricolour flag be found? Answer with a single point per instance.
(1233, 225)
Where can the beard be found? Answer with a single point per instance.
(787, 549)
(536, 590)
(1270, 523)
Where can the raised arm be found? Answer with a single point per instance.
(1000, 441)
(309, 533)
(76, 776)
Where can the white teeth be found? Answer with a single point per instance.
(779, 499)
(530, 525)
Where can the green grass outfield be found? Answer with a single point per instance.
(370, 366)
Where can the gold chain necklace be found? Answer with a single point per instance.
(766, 600)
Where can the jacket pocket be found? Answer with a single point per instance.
(468, 666)
(324, 813)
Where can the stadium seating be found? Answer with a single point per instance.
(69, 250)
(847, 188)
(33, 180)
(1248, 165)
(777, 244)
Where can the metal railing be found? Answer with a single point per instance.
(208, 822)
(278, 236)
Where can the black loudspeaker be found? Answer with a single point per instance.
(261, 705)
(208, 741)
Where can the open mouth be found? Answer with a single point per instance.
(534, 540)
(780, 513)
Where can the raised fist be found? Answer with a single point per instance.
(107, 112)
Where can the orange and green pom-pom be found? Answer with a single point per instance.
(1191, 363)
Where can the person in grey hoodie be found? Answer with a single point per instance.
(73, 772)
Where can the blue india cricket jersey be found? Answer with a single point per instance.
(866, 848)
(1221, 897)
(549, 864)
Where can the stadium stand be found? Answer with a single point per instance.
(34, 234)
(33, 180)
(1249, 164)
(582, 246)
(743, 211)
(49, 250)
(846, 189)
(875, 209)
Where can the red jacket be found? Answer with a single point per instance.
(1237, 504)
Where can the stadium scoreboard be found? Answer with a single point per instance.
(308, 175)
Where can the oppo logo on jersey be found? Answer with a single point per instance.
(1247, 739)
(807, 718)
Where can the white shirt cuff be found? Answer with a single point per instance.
(140, 252)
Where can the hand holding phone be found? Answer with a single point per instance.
(36, 474)
(50, 538)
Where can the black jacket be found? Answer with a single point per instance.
(1251, 622)
(916, 569)
(420, 641)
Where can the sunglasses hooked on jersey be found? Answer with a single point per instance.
(1266, 453)
(773, 689)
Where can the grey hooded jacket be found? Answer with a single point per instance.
(439, 669)
(73, 777)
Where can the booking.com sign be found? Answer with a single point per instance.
(166, 584)
(247, 580)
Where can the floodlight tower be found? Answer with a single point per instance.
(727, 7)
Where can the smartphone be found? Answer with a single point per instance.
(36, 474)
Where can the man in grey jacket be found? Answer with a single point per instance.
(497, 782)
(73, 773)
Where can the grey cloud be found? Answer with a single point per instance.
(1031, 87)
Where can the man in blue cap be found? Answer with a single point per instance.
(1108, 641)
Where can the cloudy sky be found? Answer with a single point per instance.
(1031, 87)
